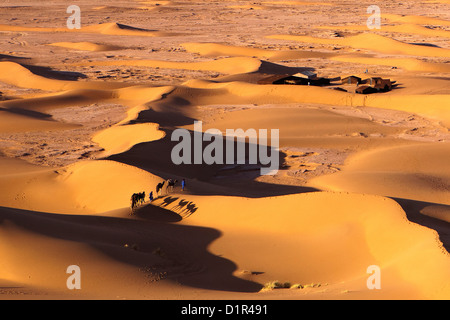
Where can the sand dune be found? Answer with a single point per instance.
(118, 29)
(373, 42)
(397, 172)
(410, 64)
(22, 122)
(227, 66)
(17, 75)
(351, 224)
(353, 234)
(429, 105)
(298, 124)
(424, 20)
(85, 46)
(216, 49)
(25, 191)
(432, 106)
(363, 180)
(118, 139)
(110, 28)
(298, 3)
(402, 28)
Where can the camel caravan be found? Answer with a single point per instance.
(138, 199)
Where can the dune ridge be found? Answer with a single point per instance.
(107, 189)
(373, 42)
(110, 28)
(17, 75)
(227, 65)
(373, 173)
(217, 49)
(411, 64)
(355, 219)
(253, 93)
(414, 19)
(85, 46)
(121, 138)
(402, 28)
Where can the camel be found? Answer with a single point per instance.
(170, 184)
(137, 199)
(159, 187)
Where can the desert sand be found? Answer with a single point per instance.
(87, 115)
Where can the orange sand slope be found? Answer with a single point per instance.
(400, 172)
(16, 74)
(251, 93)
(348, 223)
(403, 28)
(85, 46)
(323, 238)
(413, 19)
(244, 92)
(116, 29)
(227, 66)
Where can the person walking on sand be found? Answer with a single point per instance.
(151, 196)
(183, 184)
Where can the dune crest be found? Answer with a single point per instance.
(402, 28)
(109, 28)
(373, 42)
(334, 218)
(118, 29)
(17, 75)
(413, 19)
(85, 46)
(399, 172)
(410, 64)
(121, 138)
(85, 187)
(228, 65)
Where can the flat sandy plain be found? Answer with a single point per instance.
(86, 118)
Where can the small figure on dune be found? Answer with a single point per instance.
(133, 200)
(150, 197)
(183, 184)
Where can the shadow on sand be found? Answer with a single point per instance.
(186, 256)
(413, 210)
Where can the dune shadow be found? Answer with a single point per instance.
(266, 69)
(183, 249)
(127, 27)
(413, 210)
(7, 57)
(239, 180)
(426, 45)
(50, 73)
(29, 113)
(170, 112)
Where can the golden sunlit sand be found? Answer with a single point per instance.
(87, 119)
